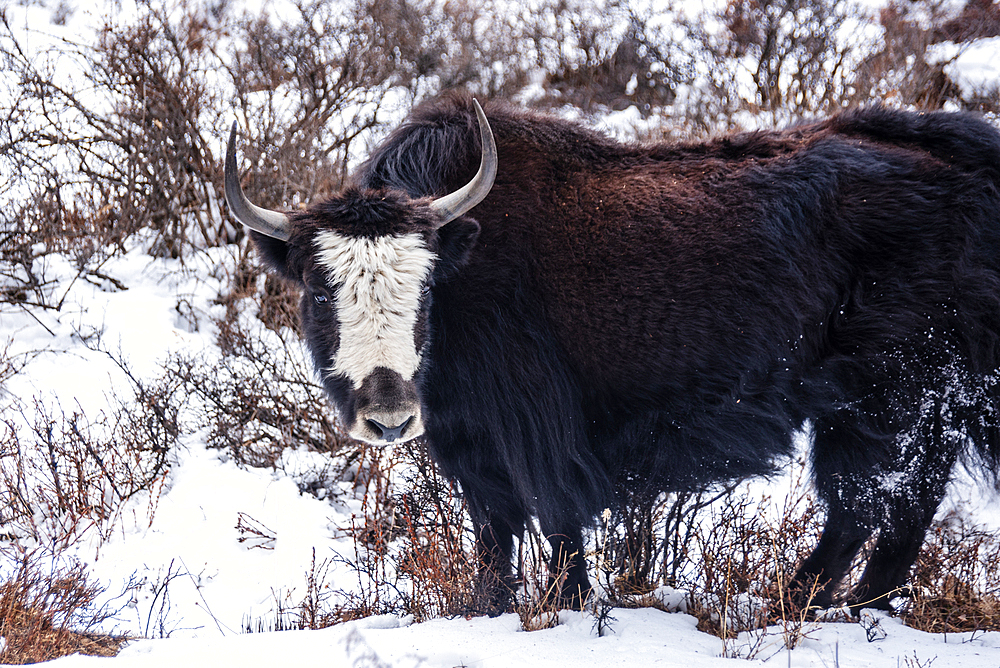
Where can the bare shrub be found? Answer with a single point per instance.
(414, 544)
(899, 69)
(728, 554)
(648, 541)
(978, 18)
(133, 143)
(313, 610)
(765, 63)
(258, 395)
(603, 57)
(745, 562)
(438, 554)
(433, 46)
(47, 614)
(76, 471)
(64, 474)
(774, 60)
(955, 585)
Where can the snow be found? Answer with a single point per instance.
(973, 66)
(183, 579)
(643, 637)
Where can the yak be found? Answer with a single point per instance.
(568, 319)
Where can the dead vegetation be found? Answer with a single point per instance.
(46, 613)
(955, 586)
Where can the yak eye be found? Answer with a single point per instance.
(320, 298)
(424, 291)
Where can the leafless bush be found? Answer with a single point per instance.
(899, 69)
(433, 46)
(744, 566)
(731, 553)
(648, 541)
(603, 57)
(536, 605)
(74, 471)
(46, 614)
(10, 364)
(134, 141)
(312, 610)
(413, 541)
(777, 58)
(955, 584)
(258, 396)
(768, 62)
(438, 556)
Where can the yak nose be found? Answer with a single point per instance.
(380, 426)
(387, 409)
(389, 434)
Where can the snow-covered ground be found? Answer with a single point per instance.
(173, 564)
(644, 637)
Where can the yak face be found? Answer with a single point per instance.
(367, 263)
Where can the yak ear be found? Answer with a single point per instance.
(274, 253)
(455, 243)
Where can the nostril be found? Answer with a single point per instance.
(389, 434)
(377, 426)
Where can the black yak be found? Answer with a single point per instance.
(583, 317)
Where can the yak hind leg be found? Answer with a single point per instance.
(817, 578)
(875, 474)
(887, 568)
(910, 509)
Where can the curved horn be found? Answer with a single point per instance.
(457, 203)
(265, 221)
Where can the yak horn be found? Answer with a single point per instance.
(459, 202)
(265, 221)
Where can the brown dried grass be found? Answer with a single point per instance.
(45, 615)
(955, 583)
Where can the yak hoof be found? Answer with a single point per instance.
(859, 601)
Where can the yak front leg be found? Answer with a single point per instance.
(568, 585)
(496, 582)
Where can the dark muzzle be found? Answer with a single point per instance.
(387, 408)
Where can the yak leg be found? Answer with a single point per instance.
(877, 468)
(913, 498)
(821, 572)
(494, 547)
(895, 551)
(835, 461)
(568, 584)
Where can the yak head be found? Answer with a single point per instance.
(366, 261)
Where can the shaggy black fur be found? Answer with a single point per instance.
(665, 316)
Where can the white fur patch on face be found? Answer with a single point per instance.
(377, 283)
